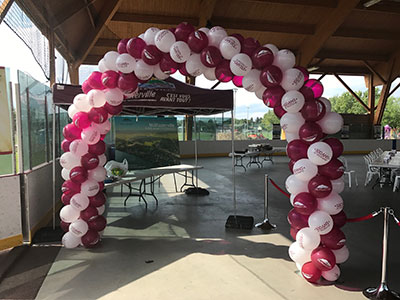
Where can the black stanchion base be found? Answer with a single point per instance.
(239, 222)
(197, 191)
(381, 293)
(265, 225)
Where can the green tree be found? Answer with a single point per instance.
(391, 115)
(269, 119)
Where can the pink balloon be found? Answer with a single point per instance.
(305, 203)
(223, 71)
(323, 258)
(313, 110)
(310, 132)
(279, 111)
(90, 239)
(71, 132)
(316, 87)
(272, 96)
(97, 149)
(95, 82)
(78, 174)
(297, 220)
(320, 186)
(90, 161)
(197, 41)
(98, 223)
(113, 110)
(110, 79)
(98, 200)
(135, 47)
(183, 30)
(310, 272)
(89, 213)
(237, 81)
(262, 57)
(334, 169)
(86, 88)
(304, 71)
(336, 145)
(334, 240)
(66, 197)
(168, 65)
(127, 83)
(340, 219)
(211, 57)
(122, 46)
(69, 187)
(271, 76)
(249, 46)
(151, 55)
(98, 115)
(296, 150)
(81, 120)
(65, 145)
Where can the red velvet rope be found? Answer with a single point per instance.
(367, 217)
(279, 189)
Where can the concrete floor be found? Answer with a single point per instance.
(181, 249)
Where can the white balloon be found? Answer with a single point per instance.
(304, 169)
(69, 160)
(97, 174)
(331, 275)
(194, 65)
(241, 64)
(327, 103)
(79, 201)
(90, 188)
(125, 63)
(150, 34)
(341, 254)
(292, 80)
(284, 59)
(320, 221)
(295, 186)
(229, 47)
(308, 238)
(104, 127)
(96, 98)
(81, 103)
(292, 101)
(338, 185)
(102, 66)
(159, 73)
(65, 174)
(101, 209)
(78, 228)
(209, 73)
(78, 148)
(114, 96)
(141, 36)
(273, 48)
(69, 214)
(332, 204)
(110, 59)
(298, 254)
(90, 135)
(143, 71)
(290, 136)
(179, 52)
(205, 30)
(320, 153)
(251, 81)
(331, 123)
(70, 241)
(216, 35)
(260, 92)
(102, 160)
(291, 122)
(72, 110)
(164, 40)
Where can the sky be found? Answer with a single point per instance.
(17, 56)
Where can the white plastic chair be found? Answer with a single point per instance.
(396, 183)
(370, 171)
(348, 172)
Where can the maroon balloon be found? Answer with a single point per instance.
(90, 239)
(307, 93)
(86, 88)
(313, 110)
(272, 96)
(316, 87)
(66, 197)
(81, 120)
(334, 169)
(135, 47)
(197, 41)
(237, 81)
(335, 239)
(64, 226)
(249, 46)
(223, 71)
(296, 150)
(304, 71)
(323, 258)
(183, 30)
(101, 185)
(310, 272)
(293, 232)
(340, 219)
(98, 115)
(90, 161)
(98, 223)
(297, 220)
(182, 70)
(113, 110)
(121, 48)
(291, 164)
(65, 145)
(271, 76)
(305, 203)
(127, 83)
(94, 80)
(262, 58)
(240, 38)
(98, 149)
(98, 200)
(78, 174)
(151, 55)
(110, 79)
(279, 111)
(89, 213)
(172, 29)
(168, 65)
(336, 145)
(69, 187)
(210, 56)
(310, 132)
(71, 132)
(320, 186)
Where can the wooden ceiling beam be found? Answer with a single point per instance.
(365, 106)
(92, 59)
(384, 95)
(384, 69)
(206, 10)
(69, 11)
(342, 70)
(153, 19)
(113, 43)
(382, 7)
(316, 3)
(107, 12)
(370, 34)
(351, 55)
(312, 44)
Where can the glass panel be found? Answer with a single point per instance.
(23, 84)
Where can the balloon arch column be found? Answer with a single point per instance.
(268, 72)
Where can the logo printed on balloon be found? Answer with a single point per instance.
(322, 188)
(325, 263)
(178, 52)
(306, 275)
(323, 227)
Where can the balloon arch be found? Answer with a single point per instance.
(270, 73)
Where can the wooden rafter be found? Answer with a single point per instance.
(312, 44)
(383, 7)
(343, 70)
(109, 9)
(374, 71)
(371, 100)
(317, 3)
(206, 10)
(384, 94)
(352, 92)
(69, 11)
(371, 34)
(351, 55)
(5, 6)
(384, 69)
(152, 19)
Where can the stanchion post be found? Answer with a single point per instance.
(265, 225)
(382, 292)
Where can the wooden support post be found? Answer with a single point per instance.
(73, 74)
(384, 95)
(371, 103)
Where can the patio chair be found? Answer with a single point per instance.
(348, 172)
(370, 171)
(396, 183)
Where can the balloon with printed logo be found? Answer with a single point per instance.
(310, 272)
(81, 120)
(310, 132)
(71, 132)
(331, 275)
(79, 201)
(90, 188)
(296, 150)
(211, 57)
(292, 79)
(303, 70)
(135, 47)
(110, 79)
(291, 122)
(216, 35)
(333, 169)
(323, 258)
(320, 221)
(78, 174)
(90, 239)
(292, 101)
(96, 98)
(229, 47)
(98, 115)
(308, 238)
(262, 57)
(150, 34)
(284, 59)
(304, 169)
(197, 41)
(143, 71)
(313, 110)
(164, 40)
(194, 65)
(272, 97)
(125, 63)
(151, 55)
(68, 160)
(89, 161)
(331, 123)
(320, 186)
(179, 52)
(90, 135)
(304, 203)
(69, 187)
(334, 240)
(298, 254)
(271, 76)
(249, 46)
(332, 204)
(168, 65)
(241, 64)
(78, 228)
(297, 220)
(295, 186)
(223, 72)
(320, 153)
(240, 38)
(251, 81)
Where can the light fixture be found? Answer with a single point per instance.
(371, 2)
